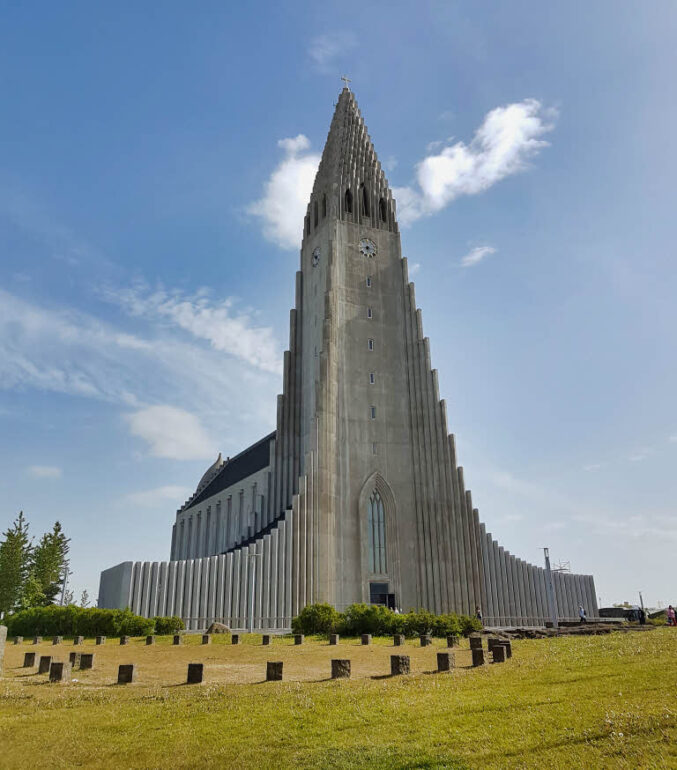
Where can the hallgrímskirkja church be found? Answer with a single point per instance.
(357, 495)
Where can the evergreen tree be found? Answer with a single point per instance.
(49, 564)
(84, 598)
(15, 563)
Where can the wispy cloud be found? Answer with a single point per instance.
(282, 206)
(476, 255)
(639, 455)
(172, 432)
(327, 51)
(507, 139)
(44, 471)
(159, 497)
(216, 322)
(414, 268)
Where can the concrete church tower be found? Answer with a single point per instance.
(357, 495)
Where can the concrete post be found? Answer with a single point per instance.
(274, 671)
(101, 640)
(333, 639)
(86, 660)
(57, 640)
(37, 640)
(29, 660)
(206, 639)
(235, 639)
(399, 664)
(3, 640)
(265, 640)
(44, 664)
(195, 673)
(60, 672)
(17, 639)
(340, 669)
(78, 640)
(477, 656)
(176, 640)
(298, 639)
(124, 640)
(150, 640)
(498, 653)
(475, 642)
(550, 590)
(452, 641)
(126, 673)
(398, 640)
(366, 639)
(426, 640)
(74, 659)
(445, 661)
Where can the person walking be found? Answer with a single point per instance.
(672, 620)
(581, 614)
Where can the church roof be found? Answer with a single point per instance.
(221, 476)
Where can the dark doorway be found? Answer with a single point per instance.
(378, 593)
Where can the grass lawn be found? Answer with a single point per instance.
(593, 702)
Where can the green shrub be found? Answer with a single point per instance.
(380, 621)
(78, 621)
(168, 625)
(316, 619)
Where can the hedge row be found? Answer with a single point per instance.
(380, 621)
(87, 621)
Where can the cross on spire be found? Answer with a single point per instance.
(347, 81)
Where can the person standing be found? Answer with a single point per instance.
(671, 616)
(581, 614)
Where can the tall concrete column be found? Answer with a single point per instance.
(228, 589)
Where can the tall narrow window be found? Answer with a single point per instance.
(372, 412)
(372, 378)
(370, 344)
(383, 211)
(364, 201)
(324, 206)
(368, 281)
(376, 535)
(349, 202)
(369, 313)
(316, 215)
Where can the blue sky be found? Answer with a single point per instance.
(148, 206)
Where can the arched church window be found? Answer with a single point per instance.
(315, 214)
(376, 534)
(364, 201)
(382, 209)
(324, 206)
(349, 202)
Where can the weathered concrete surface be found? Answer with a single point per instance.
(477, 656)
(44, 664)
(340, 668)
(195, 673)
(29, 660)
(126, 673)
(86, 661)
(366, 639)
(60, 672)
(274, 671)
(399, 664)
(445, 661)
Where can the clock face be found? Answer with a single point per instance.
(316, 256)
(368, 247)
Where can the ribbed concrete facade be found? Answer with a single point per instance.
(357, 495)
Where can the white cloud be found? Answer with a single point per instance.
(286, 193)
(44, 471)
(476, 255)
(172, 432)
(325, 50)
(414, 268)
(508, 137)
(160, 496)
(215, 322)
(592, 467)
(640, 454)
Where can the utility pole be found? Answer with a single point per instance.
(550, 590)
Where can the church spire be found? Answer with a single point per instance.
(350, 183)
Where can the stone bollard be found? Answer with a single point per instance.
(29, 660)
(426, 640)
(492, 641)
(37, 640)
(366, 638)
(399, 664)
(44, 664)
(475, 642)
(333, 639)
(86, 661)
(508, 648)
(265, 640)
(235, 639)
(60, 672)
(206, 639)
(100, 640)
(18, 640)
(124, 640)
(150, 640)
(477, 657)
(177, 639)
(498, 653)
(78, 640)
(452, 641)
(445, 661)
(74, 658)
(126, 673)
(57, 640)
(298, 638)
(195, 673)
(398, 640)
(274, 671)
(340, 668)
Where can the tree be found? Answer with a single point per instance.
(84, 598)
(50, 563)
(15, 563)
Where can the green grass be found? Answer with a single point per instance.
(593, 702)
